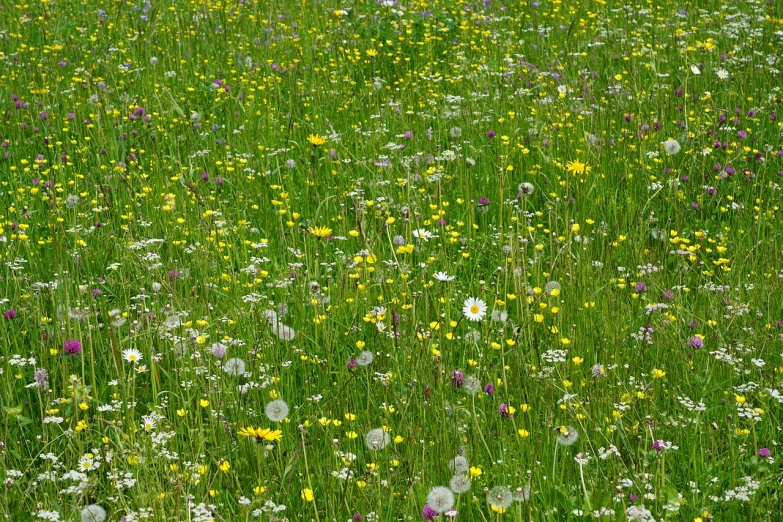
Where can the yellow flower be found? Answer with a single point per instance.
(372, 53)
(475, 472)
(224, 466)
(204, 403)
(316, 140)
(577, 167)
(261, 434)
(523, 433)
(321, 232)
(658, 374)
(307, 495)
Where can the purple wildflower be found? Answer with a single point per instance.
(428, 513)
(72, 347)
(41, 377)
(695, 342)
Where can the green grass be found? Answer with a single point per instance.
(163, 188)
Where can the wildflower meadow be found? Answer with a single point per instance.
(391, 260)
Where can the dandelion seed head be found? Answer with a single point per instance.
(440, 499)
(276, 411)
(377, 439)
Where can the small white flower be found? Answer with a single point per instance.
(695, 69)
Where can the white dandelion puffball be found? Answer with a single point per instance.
(377, 439)
(500, 497)
(567, 435)
(93, 513)
(235, 366)
(671, 147)
(459, 484)
(364, 358)
(459, 464)
(474, 309)
(522, 494)
(285, 333)
(471, 384)
(276, 411)
(219, 350)
(551, 286)
(526, 188)
(440, 499)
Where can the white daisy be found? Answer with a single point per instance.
(443, 277)
(474, 309)
(88, 463)
(421, 233)
(132, 355)
(147, 423)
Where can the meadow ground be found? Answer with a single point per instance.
(391, 260)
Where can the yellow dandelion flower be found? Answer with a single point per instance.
(578, 167)
(321, 232)
(316, 140)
